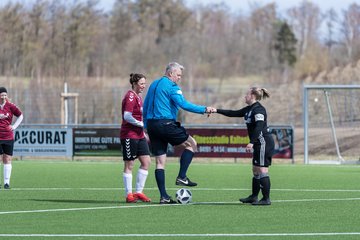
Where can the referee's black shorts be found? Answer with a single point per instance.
(164, 131)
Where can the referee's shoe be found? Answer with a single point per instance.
(168, 200)
(185, 182)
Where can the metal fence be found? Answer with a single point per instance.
(103, 105)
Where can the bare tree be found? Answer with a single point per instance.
(12, 39)
(306, 21)
(351, 31)
(36, 39)
(331, 19)
(263, 20)
(122, 26)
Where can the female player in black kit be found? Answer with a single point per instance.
(261, 143)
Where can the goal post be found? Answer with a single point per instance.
(331, 123)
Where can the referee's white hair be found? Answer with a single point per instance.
(173, 65)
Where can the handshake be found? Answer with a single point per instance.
(210, 110)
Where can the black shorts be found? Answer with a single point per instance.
(263, 152)
(132, 148)
(164, 131)
(7, 147)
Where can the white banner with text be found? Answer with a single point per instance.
(43, 142)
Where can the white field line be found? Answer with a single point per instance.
(85, 209)
(188, 235)
(159, 205)
(195, 189)
(315, 200)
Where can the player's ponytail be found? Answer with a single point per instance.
(260, 93)
(265, 93)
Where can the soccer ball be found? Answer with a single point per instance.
(183, 196)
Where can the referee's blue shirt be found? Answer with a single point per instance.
(163, 100)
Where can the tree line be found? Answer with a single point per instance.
(76, 38)
(49, 42)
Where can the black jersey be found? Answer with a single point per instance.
(255, 118)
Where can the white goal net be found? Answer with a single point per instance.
(331, 123)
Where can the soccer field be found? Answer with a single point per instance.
(85, 200)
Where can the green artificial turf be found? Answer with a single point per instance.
(85, 200)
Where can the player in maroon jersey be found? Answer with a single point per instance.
(7, 111)
(134, 140)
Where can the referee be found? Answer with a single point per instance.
(261, 143)
(162, 102)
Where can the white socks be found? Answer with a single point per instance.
(141, 179)
(127, 183)
(7, 173)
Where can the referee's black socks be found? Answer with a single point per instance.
(160, 180)
(185, 160)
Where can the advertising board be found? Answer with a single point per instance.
(43, 142)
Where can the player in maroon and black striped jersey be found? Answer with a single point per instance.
(134, 140)
(7, 111)
(261, 143)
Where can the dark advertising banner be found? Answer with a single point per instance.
(97, 142)
(220, 143)
(231, 142)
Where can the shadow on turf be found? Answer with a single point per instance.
(218, 203)
(75, 201)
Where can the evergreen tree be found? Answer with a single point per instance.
(285, 45)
